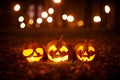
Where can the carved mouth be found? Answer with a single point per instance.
(58, 59)
(34, 59)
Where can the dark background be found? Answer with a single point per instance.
(105, 66)
(77, 7)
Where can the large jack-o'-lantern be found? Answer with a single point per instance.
(33, 52)
(58, 50)
(85, 51)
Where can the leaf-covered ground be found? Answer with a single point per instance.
(105, 66)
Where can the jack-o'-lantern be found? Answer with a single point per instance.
(33, 52)
(85, 51)
(59, 51)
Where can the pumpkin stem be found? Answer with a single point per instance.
(85, 41)
(86, 45)
(61, 37)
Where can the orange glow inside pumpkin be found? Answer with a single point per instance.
(34, 57)
(58, 59)
(90, 48)
(86, 58)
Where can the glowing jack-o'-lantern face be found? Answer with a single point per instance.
(85, 52)
(33, 53)
(58, 51)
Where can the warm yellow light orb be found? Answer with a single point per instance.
(22, 25)
(31, 21)
(39, 20)
(80, 23)
(107, 9)
(50, 10)
(57, 1)
(97, 19)
(70, 18)
(44, 14)
(17, 7)
(64, 16)
(49, 19)
(21, 19)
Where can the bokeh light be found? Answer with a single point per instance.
(39, 20)
(21, 19)
(22, 25)
(50, 10)
(107, 9)
(64, 16)
(31, 11)
(17, 7)
(97, 19)
(31, 21)
(37, 25)
(70, 18)
(80, 23)
(57, 1)
(44, 14)
(49, 19)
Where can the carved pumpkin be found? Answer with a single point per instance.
(33, 52)
(85, 51)
(58, 51)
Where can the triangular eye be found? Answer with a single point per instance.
(63, 48)
(80, 48)
(91, 48)
(52, 48)
(39, 50)
(27, 52)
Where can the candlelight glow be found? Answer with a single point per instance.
(21, 19)
(52, 48)
(91, 48)
(34, 59)
(39, 20)
(97, 19)
(80, 48)
(17, 7)
(27, 52)
(31, 21)
(86, 58)
(49, 19)
(59, 59)
(107, 9)
(64, 16)
(32, 56)
(57, 1)
(22, 25)
(44, 14)
(50, 10)
(85, 52)
(63, 48)
(70, 18)
(39, 50)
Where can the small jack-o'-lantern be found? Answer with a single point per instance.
(58, 50)
(85, 51)
(33, 52)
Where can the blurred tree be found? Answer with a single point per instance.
(88, 9)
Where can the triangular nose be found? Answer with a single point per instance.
(34, 54)
(85, 53)
(57, 53)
